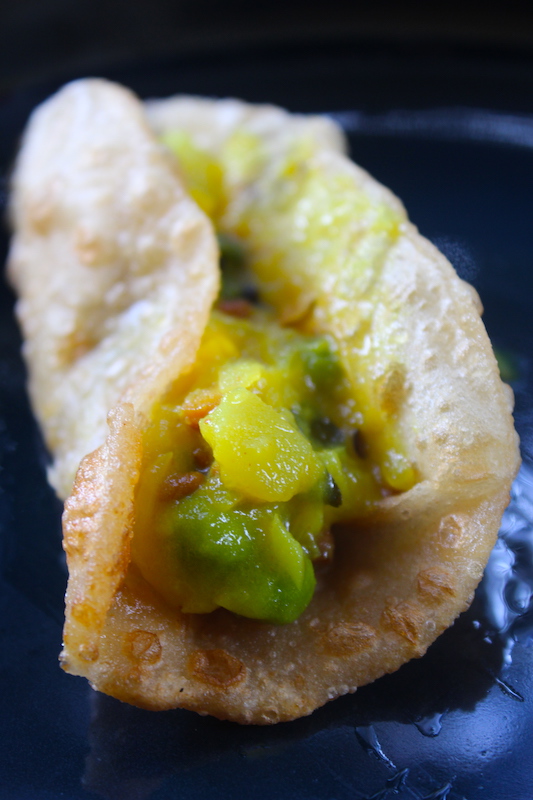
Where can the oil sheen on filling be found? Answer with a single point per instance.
(257, 451)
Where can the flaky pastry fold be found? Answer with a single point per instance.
(115, 266)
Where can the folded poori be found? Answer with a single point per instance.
(308, 447)
(108, 252)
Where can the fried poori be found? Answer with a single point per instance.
(117, 273)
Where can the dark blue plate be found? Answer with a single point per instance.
(452, 135)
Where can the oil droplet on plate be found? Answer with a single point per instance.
(430, 726)
(506, 591)
(393, 785)
(440, 794)
(369, 741)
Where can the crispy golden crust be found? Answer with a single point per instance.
(115, 266)
(96, 535)
(398, 579)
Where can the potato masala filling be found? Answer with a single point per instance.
(266, 442)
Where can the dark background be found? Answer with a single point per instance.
(40, 40)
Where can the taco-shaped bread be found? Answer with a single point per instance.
(308, 497)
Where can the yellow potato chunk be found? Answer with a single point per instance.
(260, 450)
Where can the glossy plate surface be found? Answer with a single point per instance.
(451, 135)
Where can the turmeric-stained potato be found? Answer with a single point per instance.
(305, 496)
